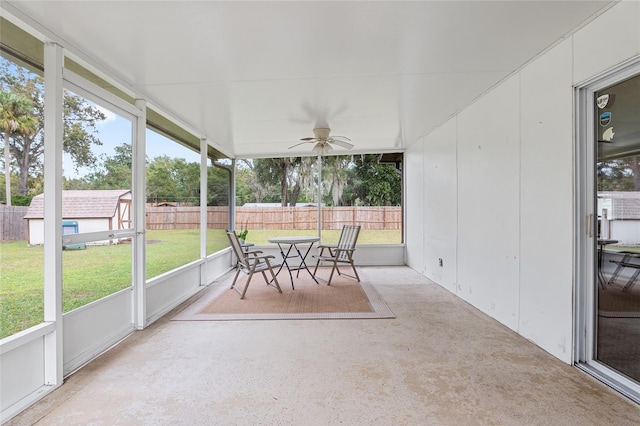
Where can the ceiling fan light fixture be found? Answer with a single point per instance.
(323, 142)
(322, 148)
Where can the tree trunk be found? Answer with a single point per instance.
(634, 164)
(7, 168)
(283, 183)
(23, 164)
(295, 192)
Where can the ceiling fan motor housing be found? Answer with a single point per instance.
(322, 133)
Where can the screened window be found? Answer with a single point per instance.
(302, 195)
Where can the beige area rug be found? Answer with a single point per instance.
(614, 303)
(345, 298)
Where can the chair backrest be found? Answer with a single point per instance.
(237, 248)
(348, 237)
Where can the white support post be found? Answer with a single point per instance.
(319, 218)
(232, 196)
(53, 136)
(204, 173)
(139, 218)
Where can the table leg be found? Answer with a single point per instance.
(285, 263)
(303, 264)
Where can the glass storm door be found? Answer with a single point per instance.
(616, 120)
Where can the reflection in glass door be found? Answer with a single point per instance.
(617, 312)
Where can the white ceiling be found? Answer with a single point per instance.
(255, 77)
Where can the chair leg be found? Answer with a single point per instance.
(335, 266)
(354, 270)
(246, 285)
(274, 280)
(235, 278)
(318, 261)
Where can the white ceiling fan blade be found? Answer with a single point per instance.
(298, 144)
(341, 137)
(308, 139)
(343, 144)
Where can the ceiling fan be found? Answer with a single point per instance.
(323, 142)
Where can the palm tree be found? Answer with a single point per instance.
(16, 116)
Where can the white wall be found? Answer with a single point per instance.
(625, 231)
(413, 193)
(495, 200)
(439, 192)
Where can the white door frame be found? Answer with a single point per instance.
(586, 234)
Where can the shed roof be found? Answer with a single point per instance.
(79, 204)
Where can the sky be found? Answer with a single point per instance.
(116, 130)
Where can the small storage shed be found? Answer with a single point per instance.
(93, 210)
(619, 216)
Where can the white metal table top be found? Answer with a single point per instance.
(293, 240)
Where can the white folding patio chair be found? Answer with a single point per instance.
(340, 253)
(249, 262)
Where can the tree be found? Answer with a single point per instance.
(115, 172)
(16, 118)
(335, 174)
(274, 171)
(248, 188)
(619, 175)
(80, 120)
(293, 175)
(376, 184)
(173, 179)
(218, 186)
(302, 177)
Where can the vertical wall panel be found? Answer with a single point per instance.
(547, 202)
(414, 205)
(440, 205)
(488, 203)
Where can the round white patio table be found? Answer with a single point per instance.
(292, 243)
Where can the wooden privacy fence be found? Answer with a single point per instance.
(276, 217)
(13, 226)
(186, 217)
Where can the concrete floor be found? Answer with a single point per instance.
(439, 362)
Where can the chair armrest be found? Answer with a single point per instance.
(339, 251)
(255, 261)
(258, 258)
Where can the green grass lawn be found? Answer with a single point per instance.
(614, 247)
(97, 271)
(261, 236)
